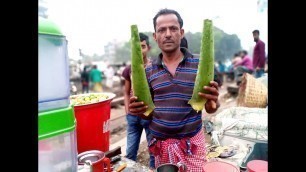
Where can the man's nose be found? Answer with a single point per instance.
(168, 33)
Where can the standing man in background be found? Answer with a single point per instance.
(109, 74)
(95, 76)
(85, 80)
(259, 59)
(135, 123)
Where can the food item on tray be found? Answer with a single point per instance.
(221, 149)
(87, 99)
(228, 153)
(212, 155)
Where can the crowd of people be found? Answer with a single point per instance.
(92, 77)
(242, 63)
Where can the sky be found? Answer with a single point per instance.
(91, 24)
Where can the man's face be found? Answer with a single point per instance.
(255, 36)
(168, 34)
(242, 54)
(144, 48)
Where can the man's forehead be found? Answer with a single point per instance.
(167, 19)
(143, 42)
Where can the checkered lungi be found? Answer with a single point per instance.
(190, 151)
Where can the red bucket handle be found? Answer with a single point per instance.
(106, 161)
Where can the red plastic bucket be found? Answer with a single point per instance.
(93, 124)
(257, 166)
(220, 166)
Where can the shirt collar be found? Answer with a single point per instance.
(185, 52)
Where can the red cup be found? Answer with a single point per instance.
(257, 166)
(220, 166)
(97, 158)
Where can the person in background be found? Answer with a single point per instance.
(135, 123)
(236, 59)
(221, 67)
(119, 73)
(230, 70)
(85, 80)
(109, 74)
(266, 65)
(258, 55)
(184, 43)
(243, 66)
(221, 72)
(95, 77)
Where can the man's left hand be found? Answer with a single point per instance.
(212, 103)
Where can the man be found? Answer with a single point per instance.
(243, 66)
(135, 123)
(221, 66)
(119, 73)
(236, 59)
(258, 55)
(109, 74)
(96, 79)
(184, 43)
(176, 128)
(220, 72)
(85, 80)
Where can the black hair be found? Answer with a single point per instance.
(236, 54)
(256, 31)
(143, 37)
(168, 11)
(184, 43)
(244, 52)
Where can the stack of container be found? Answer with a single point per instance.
(56, 121)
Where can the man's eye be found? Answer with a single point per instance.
(174, 29)
(161, 30)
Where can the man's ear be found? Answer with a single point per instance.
(182, 33)
(154, 36)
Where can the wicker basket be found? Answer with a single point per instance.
(252, 93)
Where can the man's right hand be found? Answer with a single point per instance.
(137, 108)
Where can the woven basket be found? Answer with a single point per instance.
(252, 93)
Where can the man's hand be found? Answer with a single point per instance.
(138, 108)
(212, 103)
(257, 69)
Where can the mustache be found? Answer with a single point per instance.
(168, 41)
